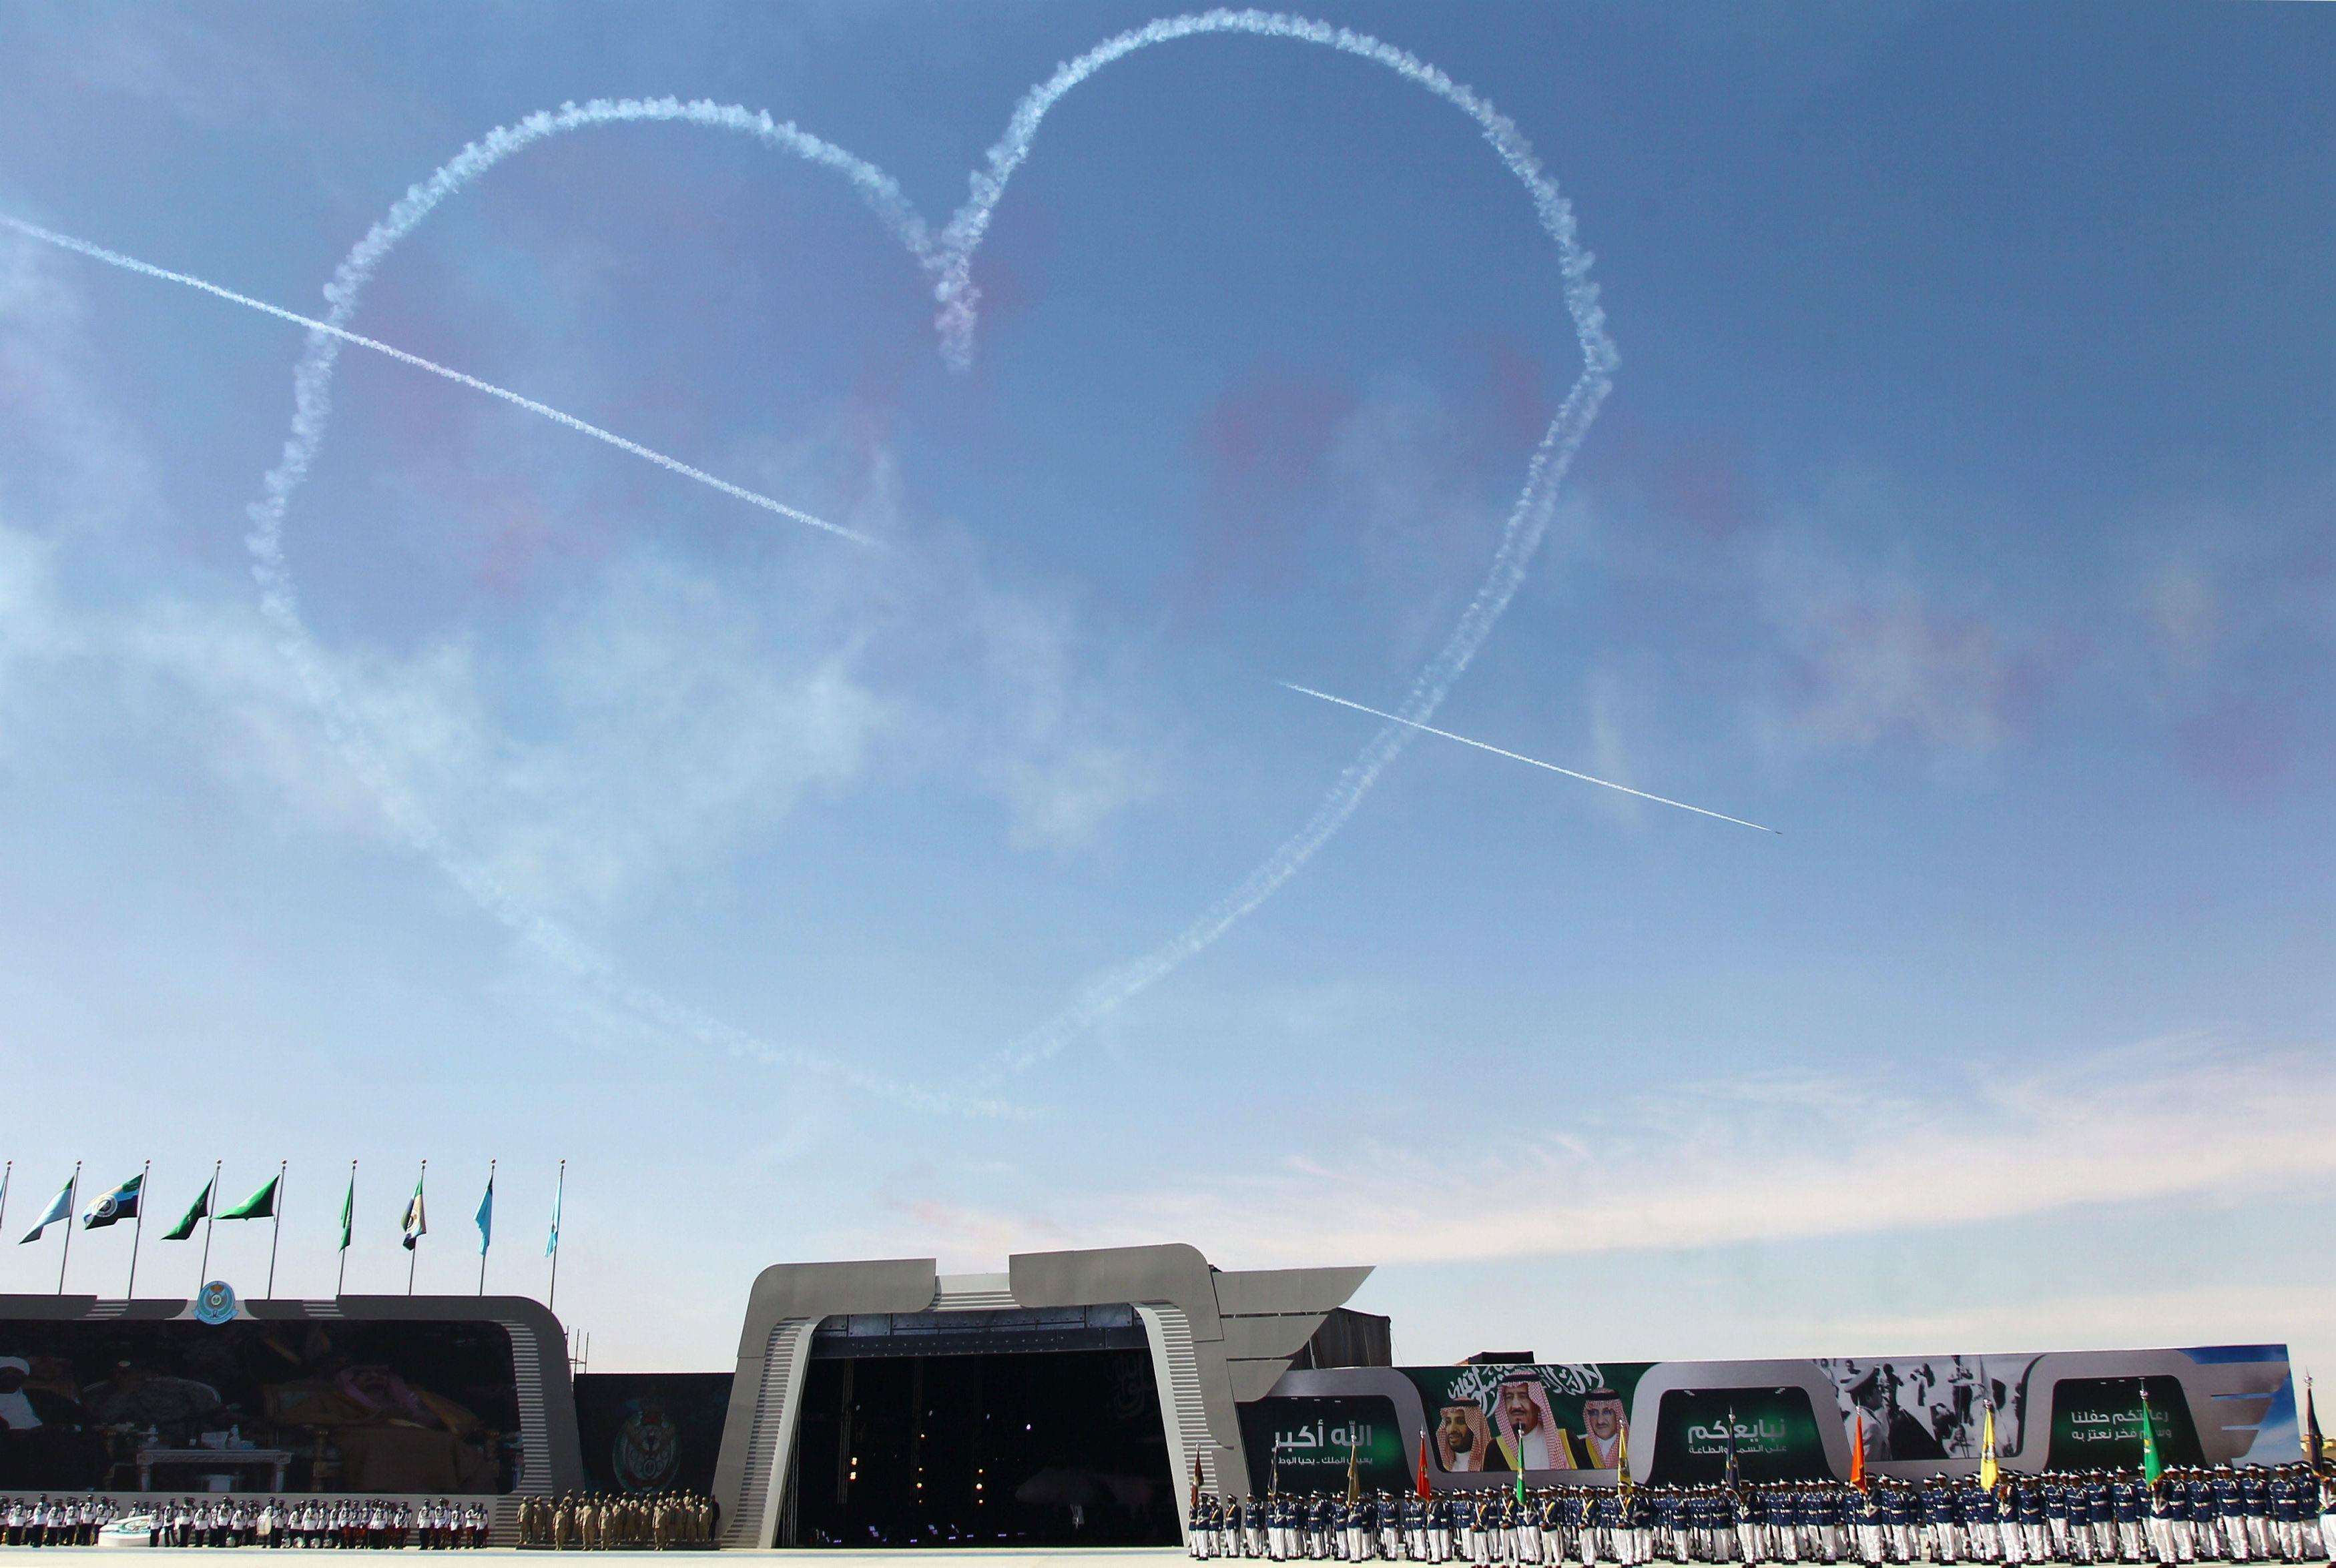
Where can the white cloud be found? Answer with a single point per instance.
(1757, 1159)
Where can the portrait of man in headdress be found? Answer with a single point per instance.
(1608, 1421)
(1530, 1436)
(1464, 1439)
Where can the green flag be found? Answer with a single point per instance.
(2152, 1467)
(349, 1208)
(259, 1206)
(195, 1213)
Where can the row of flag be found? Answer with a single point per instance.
(127, 1201)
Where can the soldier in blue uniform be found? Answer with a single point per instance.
(2080, 1518)
(1442, 1527)
(2254, 1508)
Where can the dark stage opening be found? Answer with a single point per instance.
(1026, 1428)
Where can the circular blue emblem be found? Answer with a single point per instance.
(217, 1303)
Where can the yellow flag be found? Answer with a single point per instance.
(1986, 1450)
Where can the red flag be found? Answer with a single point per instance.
(1424, 1493)
(1857, 1453)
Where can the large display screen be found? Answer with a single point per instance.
(252, 1406)
(1686, 1421)
(651, 1431)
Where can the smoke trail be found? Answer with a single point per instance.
(1521, 537)
(674, 465)
(311, 384)
(949, 260)
(1521, 757)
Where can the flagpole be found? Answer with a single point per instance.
(342, 1277)
(413, 1253)
(558, 1197)
(137, 1232)
(72, 1196)
(486, 1237)
(276, 1226)
(210, 1212)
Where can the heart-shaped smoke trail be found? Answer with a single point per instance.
(1521, 537)
(950, 261)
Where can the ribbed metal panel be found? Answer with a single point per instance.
(768, 1434)
(1174, 1358)
(975, 1301)
(534, 1478)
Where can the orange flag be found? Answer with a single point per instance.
(1857, 1452)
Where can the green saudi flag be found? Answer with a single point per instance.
(349, 1208)
(195, 1213)
(259, 1206)
(2151, 1465)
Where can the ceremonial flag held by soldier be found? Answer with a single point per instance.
(1857, 1451)
(1731, 1478)
(2314, 1449)
(1424, 1491)
(1987, 1448)
(2151, 1467)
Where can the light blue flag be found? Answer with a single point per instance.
(60, 1210)
(487, 1217)
(551, 1243)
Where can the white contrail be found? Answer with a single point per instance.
(1521, 757)
(675, 465)
(1520, 536)
(312, 405)
(949, 260)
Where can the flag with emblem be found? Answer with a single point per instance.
(417, 1218)
(116, 1204)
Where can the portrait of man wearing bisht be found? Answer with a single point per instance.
(1530, 1436)
(1464, 1439)
(1609, 1425)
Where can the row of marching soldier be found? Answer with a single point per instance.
(2254, 1514)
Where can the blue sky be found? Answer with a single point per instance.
(1963, 507)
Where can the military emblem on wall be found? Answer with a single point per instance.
(648, 1448)
(216, 1304)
